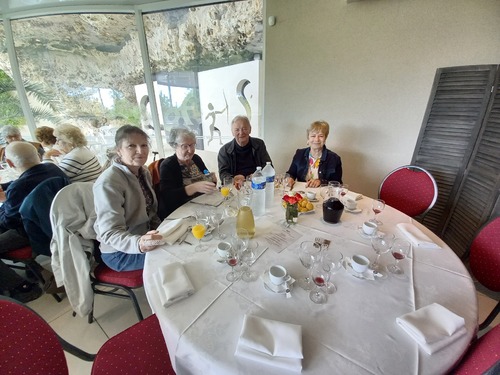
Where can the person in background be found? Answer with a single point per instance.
(24, 157)
(182, 175)
(316, 164)
(11, 134)
(45, 135)
(125, 203)
(240, 157)
(78, 162)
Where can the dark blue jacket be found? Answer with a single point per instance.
(330, 166)
(18, 190)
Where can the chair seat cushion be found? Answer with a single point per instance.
(148, 354)
(21, 253)
(482, 354)
(132, 279)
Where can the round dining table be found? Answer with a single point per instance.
(354, 332)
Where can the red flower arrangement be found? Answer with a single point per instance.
(292, 199)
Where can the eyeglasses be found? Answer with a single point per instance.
(185, 147)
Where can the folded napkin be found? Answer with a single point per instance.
(433, 327)
(172, 230)
(173, 283)
(271, 342)
(212, 199)
(353, 195)
(416, 236)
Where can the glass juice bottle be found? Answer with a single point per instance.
(245, 220)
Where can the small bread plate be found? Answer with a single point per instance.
(279, 289)
(367, 275)
(363, 234)
(313, 200)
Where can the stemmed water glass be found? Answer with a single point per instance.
(216, 217)
(198, 232)
(309, 253)
(247, 258)
(233, 259)
(332, 262)
(400, 250)
(344, 189)
(381, 243)
(378, 206)
(320, 278)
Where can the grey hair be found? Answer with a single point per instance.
(241, 118)
(178, 134)
(22, 154)
(10, 130)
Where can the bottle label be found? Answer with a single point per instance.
(260, 186)
(270, 179)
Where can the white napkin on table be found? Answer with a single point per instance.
(433, 327)
(416, 236)
(271, 342)
(172, 230)
(173, 283)
(354, 196)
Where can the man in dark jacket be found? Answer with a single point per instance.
(241, 157)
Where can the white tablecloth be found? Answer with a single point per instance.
(354, 333)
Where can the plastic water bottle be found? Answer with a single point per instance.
(258, 193)
(269, 174)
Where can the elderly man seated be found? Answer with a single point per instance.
(11, 134)
(24, 157)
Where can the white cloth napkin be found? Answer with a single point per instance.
(173, 283)
(172, 230)
(433, 327)
(416, 236)
(212, 199)
(353, 195)
(271, 342)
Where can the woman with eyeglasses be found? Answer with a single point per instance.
(183, 175)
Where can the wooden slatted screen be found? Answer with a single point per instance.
(459, 144)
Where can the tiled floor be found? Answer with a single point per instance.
(114, 315)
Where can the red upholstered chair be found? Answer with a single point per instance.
(410, 189)
(26, 256)
(482, 355)
(147, 355)
(104, 278)
(484, 261)
(30, 346)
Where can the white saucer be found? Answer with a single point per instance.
(279, 289)
(363, 234)
(313, 200)
(367, 275)
(355, 211)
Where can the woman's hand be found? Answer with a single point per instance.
(205, 187)
(150, 241)
(51, 152)
(313, 183)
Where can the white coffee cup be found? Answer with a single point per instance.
(369, 228)
(223, 249)
(311, 195)
(277, 274)
(359, 263)
(350, 204)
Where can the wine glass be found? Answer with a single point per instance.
(320, 277)
(381, 244)
(232, 260)
(378, 206)
(309, 253)
(287, 185)
(400, 250)
(344, 189)
(247, 258)
(198, 232)
(332, 262)
(216, 217)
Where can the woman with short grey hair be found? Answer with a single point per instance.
(183, 175)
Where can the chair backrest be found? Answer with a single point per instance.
(28, 344)
(410, 189)
(35, 213)
(484, 256)
(154, 169)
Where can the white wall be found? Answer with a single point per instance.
(366, 67)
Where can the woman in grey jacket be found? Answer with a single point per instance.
(125, 204)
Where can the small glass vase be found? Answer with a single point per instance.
(291, 213)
